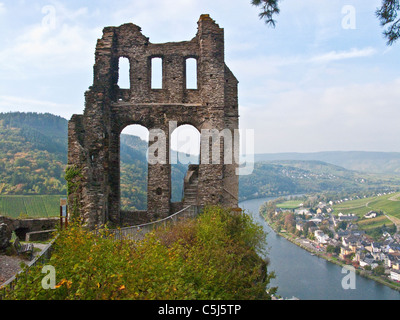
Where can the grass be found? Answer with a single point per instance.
(290, 204)
(389, 204)
(374, 223)
(386, 203)
(37, 206)
(358, 203)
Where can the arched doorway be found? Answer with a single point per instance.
(184, 151)
(133, 168)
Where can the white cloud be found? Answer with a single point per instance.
(352, 117)
(45, 47)
(341, 55)
(272, 65)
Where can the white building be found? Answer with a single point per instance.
(395, 275)
(370, 215)
(320, 236)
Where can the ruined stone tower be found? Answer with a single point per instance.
(94, 137)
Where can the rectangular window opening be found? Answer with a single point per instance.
(191, 73)
(124, 73)
(156, 73)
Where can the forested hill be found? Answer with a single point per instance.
(365, 161)
(286, 177)
(33, 157)
(44, 132)
(33, 153)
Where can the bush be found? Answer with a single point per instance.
(216, 256)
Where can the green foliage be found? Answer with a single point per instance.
(133, 186)
(32, 154)
(215, 256)
(283, 221)
(379, 270)
(73, 175)
(333, 249)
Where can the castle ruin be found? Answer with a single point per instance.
(94, 136)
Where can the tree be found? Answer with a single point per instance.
(379, 270)
(289, 222)
(387, 15)
(333, 249)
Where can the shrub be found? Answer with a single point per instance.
(216, 256)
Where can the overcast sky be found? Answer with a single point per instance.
(323, 79)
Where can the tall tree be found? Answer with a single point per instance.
(387, 15)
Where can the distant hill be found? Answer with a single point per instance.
(33, 153)
(45, 132)
(33, 157)
(364, 161)
(285, 177)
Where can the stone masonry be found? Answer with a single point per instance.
(94, 137)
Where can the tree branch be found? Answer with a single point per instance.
(387, 15)
(269, 8)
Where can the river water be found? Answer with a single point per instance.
(307, 277)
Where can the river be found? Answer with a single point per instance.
(307, 277)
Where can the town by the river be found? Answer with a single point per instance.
(304, 276)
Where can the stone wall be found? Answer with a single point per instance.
(133, 218)
(23, 226)
(94, 137)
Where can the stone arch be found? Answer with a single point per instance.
(191, 134)
(184, 152)
(133, 151)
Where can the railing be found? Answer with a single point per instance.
(231, 194)
(139, 231)
(42, 258)
(133, 233)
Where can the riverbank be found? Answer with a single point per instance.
(309, 246)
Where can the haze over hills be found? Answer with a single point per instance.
(288, 177)
(365, 161)
(33, 157)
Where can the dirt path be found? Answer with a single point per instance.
(396, 222)
(9, 266)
